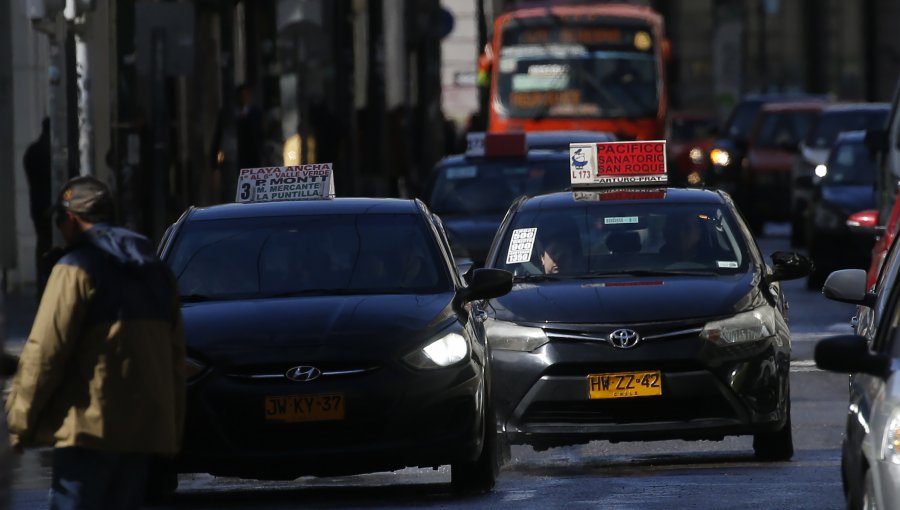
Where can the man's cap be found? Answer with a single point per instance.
(86, 195)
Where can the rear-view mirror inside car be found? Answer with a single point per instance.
(788, 265)
(848, 286)
(849, 354)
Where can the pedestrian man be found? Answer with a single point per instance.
(37, 169)
(101, 378)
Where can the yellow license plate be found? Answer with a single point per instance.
(302, 408)
(625, 384)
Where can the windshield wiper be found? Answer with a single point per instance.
(651, 272)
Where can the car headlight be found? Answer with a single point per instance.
(720, 157)
(193, 368)
(696, 155)
(821, 171)
(890, 447)
(827, 218)
(448, 349)
(507, 336)
(749, 326)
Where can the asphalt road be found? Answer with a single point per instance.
(657, 475)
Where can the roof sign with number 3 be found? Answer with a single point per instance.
(618, 164)
(272, 184)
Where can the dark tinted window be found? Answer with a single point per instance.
(782, 129)
(830, 124)
(490, 187)
(260, 257)
(850, 164)
(688, 129)
(741, 121)
(621, 237)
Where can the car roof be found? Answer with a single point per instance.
(793, 106)
(560, 140)
(304, 207)
(778, 98)
(850, 107)
(851, 137)
(566, 199)
(533, 155)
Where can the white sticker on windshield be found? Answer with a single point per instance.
(620, 220)
(730, 264)
(520, 245)
(461, 172)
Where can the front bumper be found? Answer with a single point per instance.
(708, 392)
(395, 417)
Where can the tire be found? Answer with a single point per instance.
(480, 475)
(777, 445)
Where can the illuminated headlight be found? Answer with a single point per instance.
(828, 219)
(193, 369)
(696, 155)
(507, 336)
(751, 326)
(720, 157)
(448, 349)
(890, 447)
(821, 171)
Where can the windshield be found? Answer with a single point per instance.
(624, 238)
(741, 121)
(577, 71)
(830, 124)
(850, 164)
(688, 129)
(311, 254)
(783, 129)
(490, 187)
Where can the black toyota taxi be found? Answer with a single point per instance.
(642, 313)
(331, 337)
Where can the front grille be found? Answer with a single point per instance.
(627, 410)
(277, 371)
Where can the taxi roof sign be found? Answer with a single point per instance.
(272, 184)
(618, 164)
(496, 145)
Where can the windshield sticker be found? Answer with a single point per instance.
(461, 172)
(620, 220)
(729, 264)
(520, 245)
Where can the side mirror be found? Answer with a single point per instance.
(787, 265)
(848, 286)
(487, 284)
(849, 354)
(866, 223)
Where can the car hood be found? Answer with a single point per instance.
(814, 156)
(850, 198)
(621, 301)
(473, 233)
(313, 327)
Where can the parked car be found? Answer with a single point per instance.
(730, 146)
(764, 190)
(843, 185)
(814, 149)
(870, 450)
(689, 139)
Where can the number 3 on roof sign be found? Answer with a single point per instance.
(271, 184)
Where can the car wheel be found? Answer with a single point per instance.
(868, 499)
(480, 475)
(777, 445)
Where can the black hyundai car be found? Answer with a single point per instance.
(639, 314)
(331, 337)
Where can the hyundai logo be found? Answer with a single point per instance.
(303, 373)
(624, 338)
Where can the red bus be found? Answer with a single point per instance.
(596, 67)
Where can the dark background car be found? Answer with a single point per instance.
(688, 142)
(730, 146)
(764, 187)
(331, 337)
(703, 338)
(814, 149)
(844, 184)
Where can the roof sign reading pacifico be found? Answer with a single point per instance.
(619, 164)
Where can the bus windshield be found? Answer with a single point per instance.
(581, 71)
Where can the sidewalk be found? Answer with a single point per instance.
(18, 308)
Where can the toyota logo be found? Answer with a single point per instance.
(303, 374)
(624, 338)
